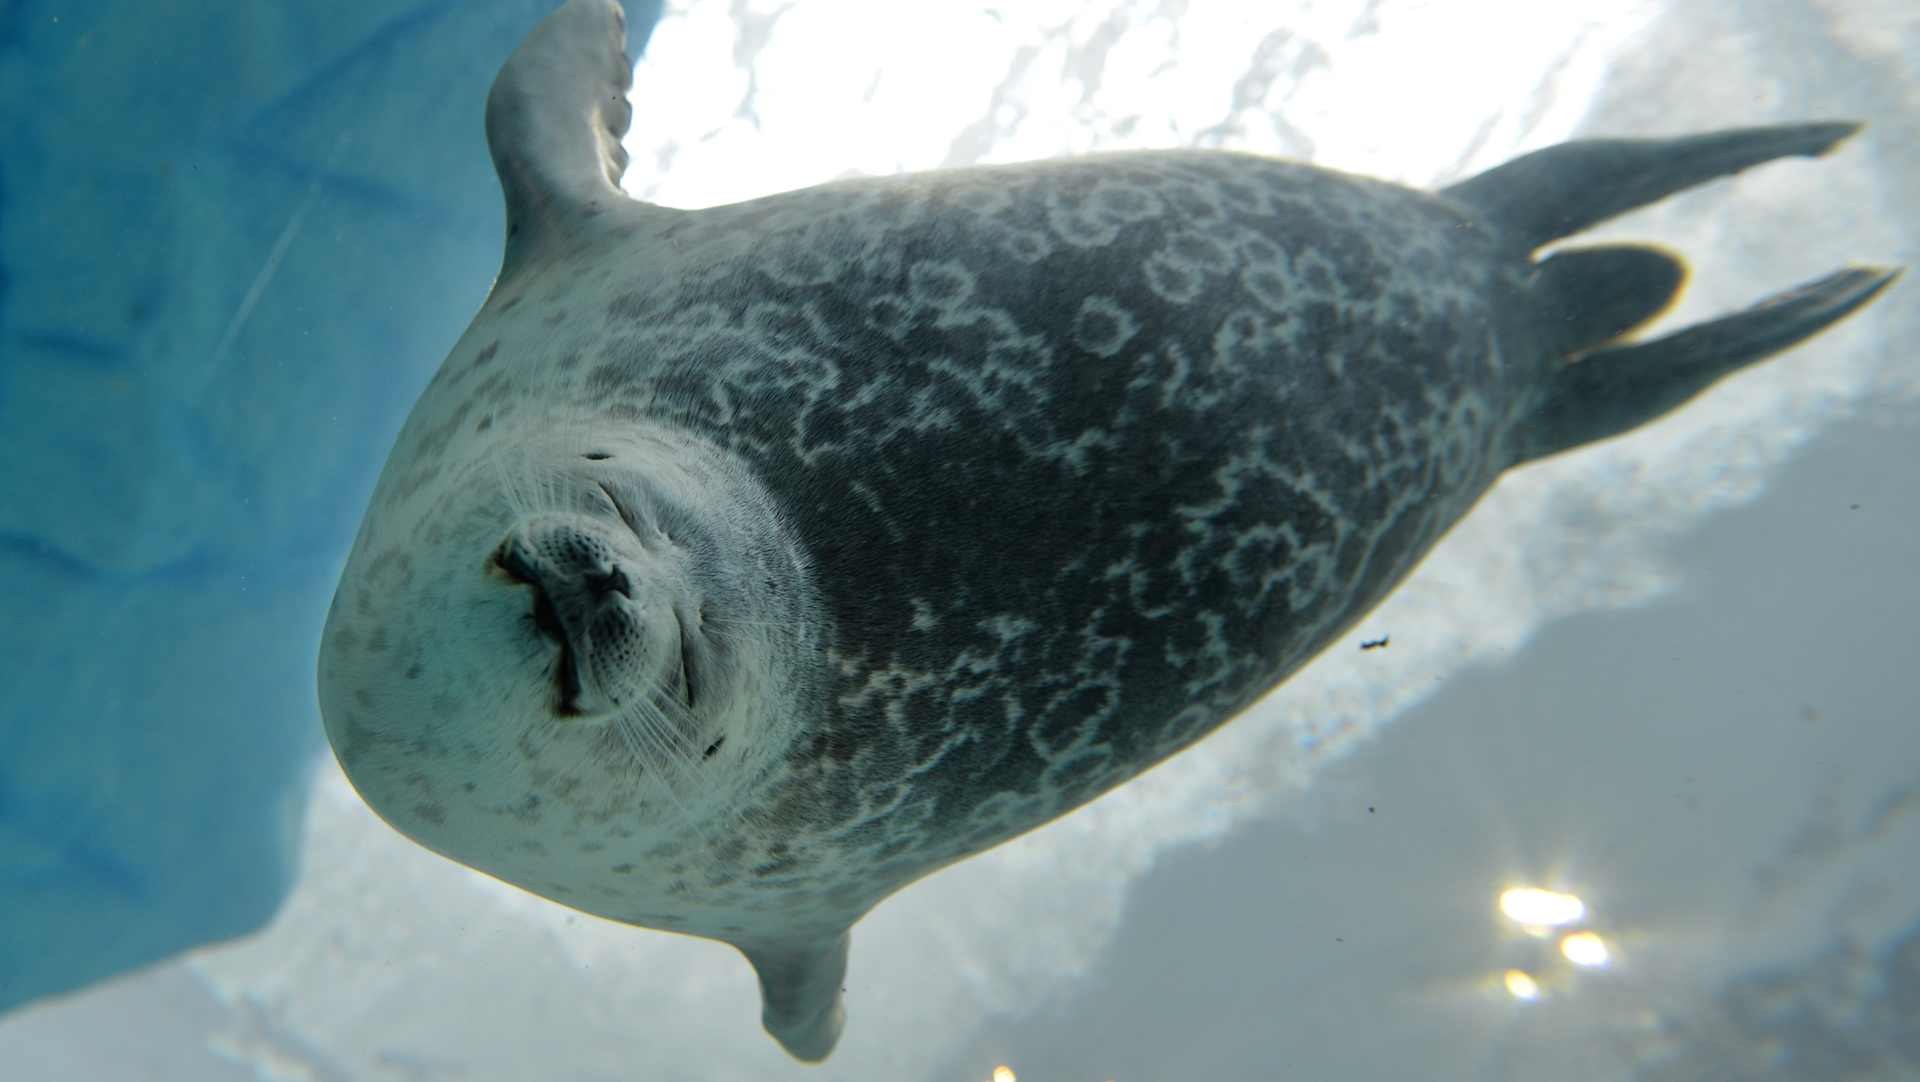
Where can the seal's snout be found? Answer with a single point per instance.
(588, 598)
(565, 562)
(521, 562)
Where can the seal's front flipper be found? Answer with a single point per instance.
(800, 994)
(1557, 192)
(1610, 391)
(555, 116)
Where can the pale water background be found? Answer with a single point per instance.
(1677, 674)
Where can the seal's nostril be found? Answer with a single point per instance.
(613, 582)
(513, 563)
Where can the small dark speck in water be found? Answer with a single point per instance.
(1375, 644)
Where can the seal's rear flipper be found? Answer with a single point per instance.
(555, 116)
(1590, 296)
(1613, 390)
(800, 994)
(1557, 192)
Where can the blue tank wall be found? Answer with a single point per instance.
(236, 237)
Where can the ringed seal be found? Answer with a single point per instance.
(741, 566)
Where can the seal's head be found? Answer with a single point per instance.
(610, 627)
(619, 599)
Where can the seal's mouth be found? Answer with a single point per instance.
(511, 562)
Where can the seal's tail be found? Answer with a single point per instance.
(1589, 297)
(1612, 390)
(1553, 193)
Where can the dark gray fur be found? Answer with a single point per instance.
(1100, 546)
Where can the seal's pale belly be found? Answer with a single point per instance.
(743, 565)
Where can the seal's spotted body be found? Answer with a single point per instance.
(879, 522)
(1073, 520)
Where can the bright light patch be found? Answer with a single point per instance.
(1521, 986)
(1003, 1074)
(1530, 905)
(1586, 949)
(731, 99)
